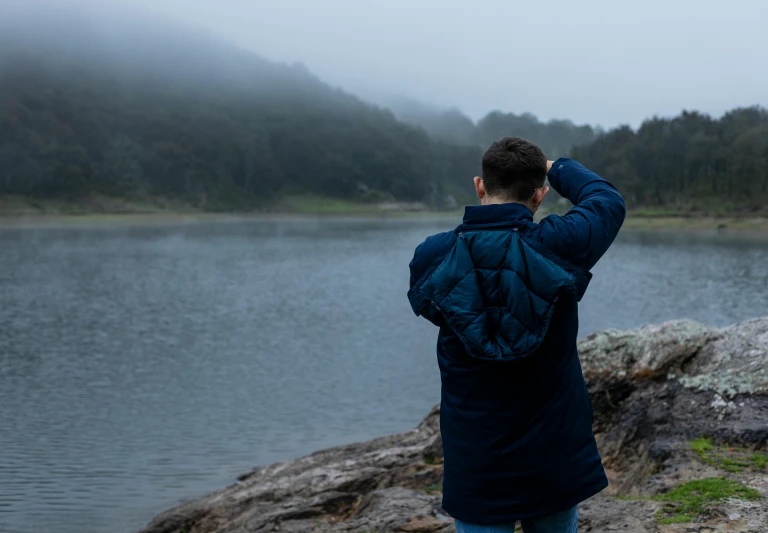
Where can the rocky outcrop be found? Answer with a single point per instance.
(654, 389)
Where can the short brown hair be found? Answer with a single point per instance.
(513, 168)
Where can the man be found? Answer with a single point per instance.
(516, 418)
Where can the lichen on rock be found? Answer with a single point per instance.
(734, 363)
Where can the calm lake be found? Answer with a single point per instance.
(144, 365)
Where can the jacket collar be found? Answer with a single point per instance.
(495, 214)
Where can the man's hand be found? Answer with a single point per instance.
(549, 165)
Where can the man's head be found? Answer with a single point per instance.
(514, 170)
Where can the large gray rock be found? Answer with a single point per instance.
(731, 361)
(653, 389)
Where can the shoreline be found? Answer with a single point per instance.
(18, 212)
(697, 223)
(95, 219)
(727, 224)
(170, 218)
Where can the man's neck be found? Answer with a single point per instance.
(491, 200)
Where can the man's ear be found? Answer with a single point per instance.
(539, 195)
(480, 187)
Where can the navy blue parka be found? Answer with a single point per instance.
(516, 418)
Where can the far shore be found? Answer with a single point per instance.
(92, 219)
(697, 223)
(99, 210)
(16, 212)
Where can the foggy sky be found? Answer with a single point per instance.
(596, 61)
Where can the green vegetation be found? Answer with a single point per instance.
(68, 137)
(702, 446)
(730, 459)
(452, 126)
(102, 207)
(180, 121)
(690, 165)
(184, 117)
(759, 460)
(556, 137)
(433, 489)
(319, 205)
(690, 501)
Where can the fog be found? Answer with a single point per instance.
(596, 61)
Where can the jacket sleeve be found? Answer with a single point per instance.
(584, 234)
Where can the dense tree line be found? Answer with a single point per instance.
(134, 108)
(70, 133)
(556, 137)
(689, 162)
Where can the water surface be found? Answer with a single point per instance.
(144, 365)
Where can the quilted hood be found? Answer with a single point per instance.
(497, 293)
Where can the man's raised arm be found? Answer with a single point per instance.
(584, 234)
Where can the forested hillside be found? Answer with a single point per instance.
(692, 162)
(132, 107)
(122, 104)
(556, 137)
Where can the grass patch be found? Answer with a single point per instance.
(320, 205)
(434, 489)
(100, 204)
(733, 460)
(733, 465)
(759, 460)
(702, 446)
(690, 501)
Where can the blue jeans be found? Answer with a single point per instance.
(563, 522)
